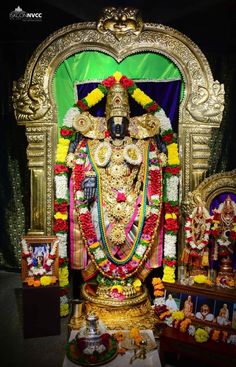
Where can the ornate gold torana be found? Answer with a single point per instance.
(210, 188)
(119, 33)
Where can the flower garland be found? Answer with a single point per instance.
(171, 179)
(61, 214)
(97, 250)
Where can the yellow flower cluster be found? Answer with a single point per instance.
(170, 216)
(201, 335)
(118, 287)
(59, 215)
(200, 279)
(137, 284)
(64, 309)
(45, 280)
(94, 97)
(173, 156)
(140, 97)
(63, 276)
(178, 315)
(169, 274)
(62, 149)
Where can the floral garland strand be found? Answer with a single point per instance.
(61, 214)
(171, 179)
(94, 247)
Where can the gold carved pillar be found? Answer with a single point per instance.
(32, 110)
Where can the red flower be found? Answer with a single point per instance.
(66, 132)
(168, 138)
(60, 225)
(82, 105)
(171, 225)
(120, 197)
(155, 182)
(109, 82)
(87, 226)
(62, 261)
(150, 224)
(171, 208)
(60, 168)
(169, 262)
(78, 176)
(125, 82)
(152, 107)
(107, 134)
(172, 170)
(60, 207)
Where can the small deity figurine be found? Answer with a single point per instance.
(116, 218)
(224, 237)
(188, 307)
(197, 230)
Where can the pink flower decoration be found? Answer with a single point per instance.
(120, 197)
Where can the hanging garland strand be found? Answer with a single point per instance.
(171, 174)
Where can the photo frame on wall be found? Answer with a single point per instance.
(39, 258)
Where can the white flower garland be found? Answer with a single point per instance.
(172, 188)
(71, 114)
(61, 186)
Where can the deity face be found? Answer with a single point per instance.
(118, 126)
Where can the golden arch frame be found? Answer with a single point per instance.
(200, 111)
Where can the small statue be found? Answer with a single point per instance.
(197, 230)
(224, 236)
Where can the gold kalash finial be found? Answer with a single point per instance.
(117, 102)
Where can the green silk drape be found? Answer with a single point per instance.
(96, 66)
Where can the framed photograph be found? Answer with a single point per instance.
(188, 304)
(172, 301)
(224, 313)
(205, 310)
(39, 257)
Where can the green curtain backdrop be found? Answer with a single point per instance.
(96, 66)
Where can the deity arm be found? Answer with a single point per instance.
(160, 144)
(72, 147)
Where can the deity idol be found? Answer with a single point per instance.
(197, 230)
(116, 192)
(224, 235)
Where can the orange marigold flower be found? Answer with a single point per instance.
(37, 283)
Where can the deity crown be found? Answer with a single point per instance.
(117, 102)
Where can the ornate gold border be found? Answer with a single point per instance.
(34, 104)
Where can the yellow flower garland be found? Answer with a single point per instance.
(173, 157)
